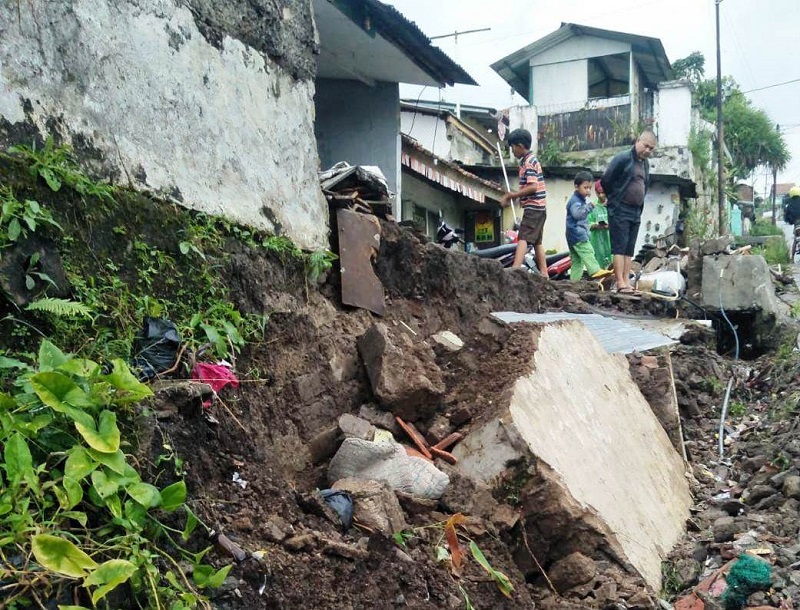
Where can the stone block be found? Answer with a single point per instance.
(403, 373)
(355, 427)
(717, 245)
(791, 487)
(448, 340)
(573, 570)
(741, 283)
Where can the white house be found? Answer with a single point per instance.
(593, 92)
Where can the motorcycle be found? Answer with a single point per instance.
(558, 265)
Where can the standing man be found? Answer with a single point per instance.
(532, 199)
(625, 183)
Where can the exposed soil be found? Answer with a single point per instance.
(278, 432)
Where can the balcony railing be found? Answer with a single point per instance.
(603, 123)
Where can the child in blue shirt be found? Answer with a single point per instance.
(580, 248)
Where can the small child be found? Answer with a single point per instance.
(598, 228)
(580, 249)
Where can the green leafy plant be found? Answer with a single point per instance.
(775, 251)
(60, 307)
(56, 166)
(318, 263)
(762, 227)
(500, 579)
(70, 501)
(670, 579)
(282, 246)
(446, 547)
(401, 538)
(18, 218)
(737, 408)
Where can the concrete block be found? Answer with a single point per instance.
(593, 466)
(745, 284)
(403, 374)
(448, 340)
(375, 505)
(355, 427)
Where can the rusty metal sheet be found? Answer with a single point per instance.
(359, 241)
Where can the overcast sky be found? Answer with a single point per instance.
(760, 44)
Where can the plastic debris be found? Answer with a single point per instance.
(747, 576)
(342, 503)
(239, 480)
(216, 375)
(155, 347)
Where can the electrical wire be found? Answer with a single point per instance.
(772, 86)
(414, 118)
(724, 412)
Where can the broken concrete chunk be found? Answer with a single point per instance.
(179, 396)
(387, 462)
(791, 487)
(716, 246)
(439, 429)
(573, 570)
(448, 340)
(724, 529)
(375, 505)
(403, 374)
(355, 427)
(379, 419)
(741, 283)
(587, 459)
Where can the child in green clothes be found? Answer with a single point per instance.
(580, 250)
(598, 228)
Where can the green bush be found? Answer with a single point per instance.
(763, 227)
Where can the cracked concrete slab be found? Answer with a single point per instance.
(593, 470)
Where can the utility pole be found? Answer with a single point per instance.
(720, 142)
(775, 189)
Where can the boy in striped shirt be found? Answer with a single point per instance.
(532, 199)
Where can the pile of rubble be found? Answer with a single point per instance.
(508, 464)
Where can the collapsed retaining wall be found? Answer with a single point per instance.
(597, 473)
(209, 105)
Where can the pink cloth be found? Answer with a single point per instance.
(215, 375)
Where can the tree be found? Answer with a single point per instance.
(692, 67)
(750, 135)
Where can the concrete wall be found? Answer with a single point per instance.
(661, 209)
(524, 117)
(674, 113)
(580, 47)
(359, 124)
(169, 99)
(429, 131)
(560, 87)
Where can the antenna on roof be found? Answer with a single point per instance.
(455, 36)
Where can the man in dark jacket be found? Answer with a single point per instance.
(791, 213)
(625, 182)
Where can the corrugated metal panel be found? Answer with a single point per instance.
(613, 334)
